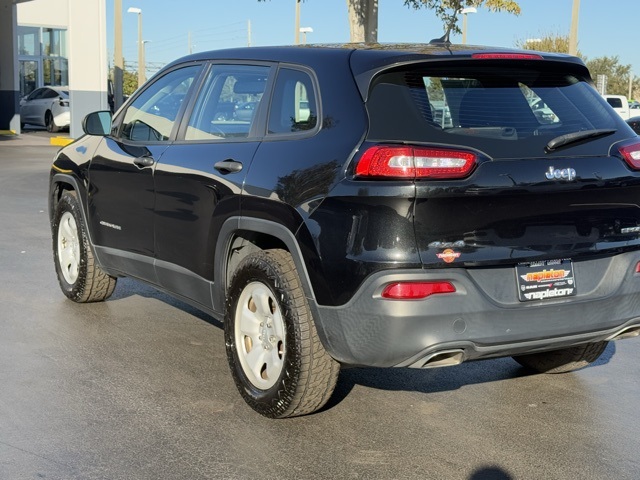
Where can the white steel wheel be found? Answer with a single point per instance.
(68, 248)
(80, 277)
(260, 335)
(276, 358)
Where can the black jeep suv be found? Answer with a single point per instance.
(382, 205)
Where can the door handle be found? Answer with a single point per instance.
(144, 161)
(228, 166)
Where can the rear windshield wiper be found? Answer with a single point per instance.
(569, 138)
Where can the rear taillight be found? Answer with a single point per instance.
(507, 56)
(388, 161)
(631, 154)
(416, 290)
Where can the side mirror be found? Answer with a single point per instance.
(97, 123)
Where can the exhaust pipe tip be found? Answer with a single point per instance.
(629, 332)
(446, 358)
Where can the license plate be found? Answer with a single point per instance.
(545, 280)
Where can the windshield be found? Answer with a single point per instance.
(505, 112)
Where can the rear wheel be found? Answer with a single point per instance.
(564, 360)
(79, 276)
(277, 360)
(50, 123)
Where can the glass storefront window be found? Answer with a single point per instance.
(28, 77)
(28, 41)
(54, 42)
(42, 53)
(55, 71)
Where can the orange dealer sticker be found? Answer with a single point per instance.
(448, 255)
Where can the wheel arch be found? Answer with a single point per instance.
(61, 182)
(239, 236)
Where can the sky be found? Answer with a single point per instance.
(605, 27)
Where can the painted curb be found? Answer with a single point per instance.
(61, 141)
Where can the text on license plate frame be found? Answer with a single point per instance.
(547, 279)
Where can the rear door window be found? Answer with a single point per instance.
(615, 102)
(503, 111)
(227, 105)
(48, 93)
(36, 94)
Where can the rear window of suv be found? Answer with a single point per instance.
(504, 111)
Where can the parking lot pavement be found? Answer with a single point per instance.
(31, 137)
(138, 388)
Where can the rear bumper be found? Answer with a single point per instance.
(483, 318)
(62, 118)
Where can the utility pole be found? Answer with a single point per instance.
(141, 67)
(118, 61)
(297, 37)
(189, 43)
(248, 33)
(573, 34)
(144, 60)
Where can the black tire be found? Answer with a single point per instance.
(79, 276)
(296, 375)
(50, 124)
(564, 360)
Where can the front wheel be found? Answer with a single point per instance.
(276, 358)
(563, 360)
(79, 275)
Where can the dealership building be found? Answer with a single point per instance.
(53, 43)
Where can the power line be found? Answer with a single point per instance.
(149, 66)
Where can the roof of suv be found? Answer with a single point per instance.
(372, 52)
(368, 59)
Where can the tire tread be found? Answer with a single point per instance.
(93, 284)
(316, 372)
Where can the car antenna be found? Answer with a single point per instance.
(444, 39)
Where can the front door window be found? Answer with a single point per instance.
(153, 114)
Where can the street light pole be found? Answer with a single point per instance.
(304, 31)
(573, 34)
(297, 22)
(141, 66)
(118, 61)
(464, 12)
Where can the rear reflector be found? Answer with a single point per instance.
(638, 267)
(416, 290)
(631, 154)
(413, 162)
(507, 56)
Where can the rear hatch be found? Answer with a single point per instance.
(514, 160)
